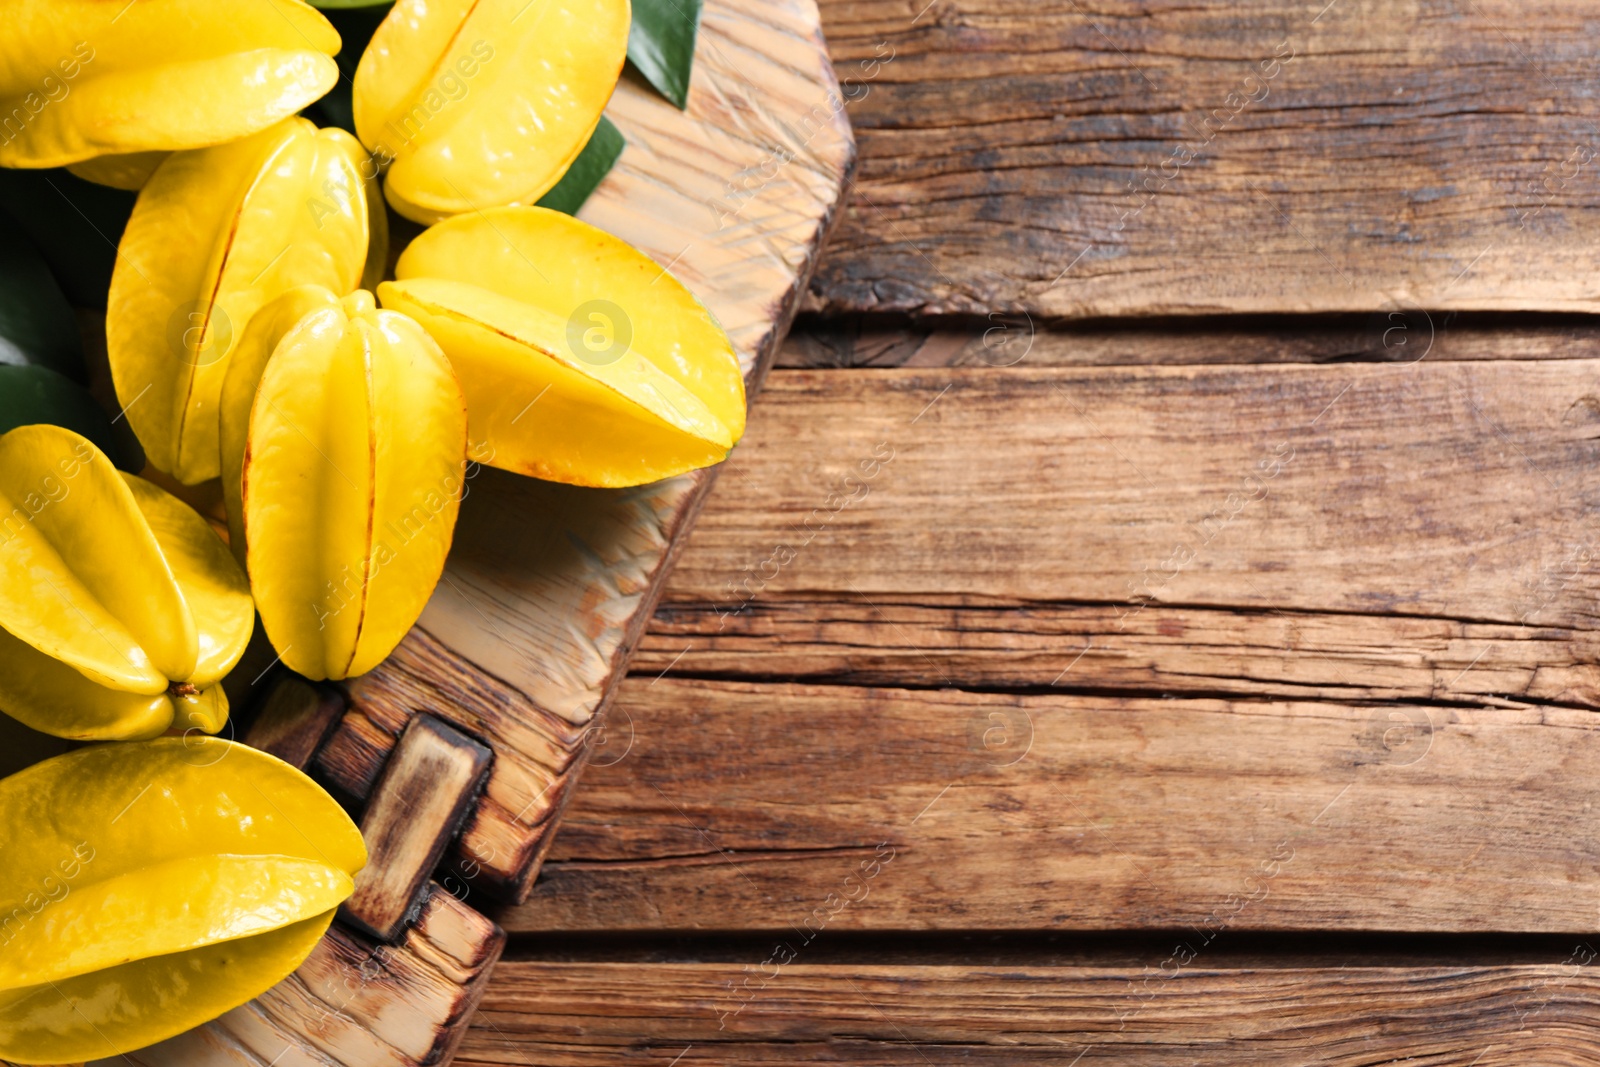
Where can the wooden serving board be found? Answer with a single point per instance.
(547, 589)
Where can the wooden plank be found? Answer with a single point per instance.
(1134, 158)
(783, 806)
(1052, 485)
(548, 587)
(1172, 1015)
(356, 1003)
(1440, 490)
(915, 641)
(1010, 340)
(427, 788)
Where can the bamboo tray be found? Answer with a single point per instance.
(461, 751)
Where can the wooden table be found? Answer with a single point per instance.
(1152, 618)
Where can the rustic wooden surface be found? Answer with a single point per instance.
(1090, 485)
(1137, 157)
(1355, 669)
(1116, 813)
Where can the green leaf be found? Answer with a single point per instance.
(74, 224)
(31, 395)
(356, 23)
(37, 325)
(592, 164)
(661, 44)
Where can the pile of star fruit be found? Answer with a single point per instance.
(158, 877)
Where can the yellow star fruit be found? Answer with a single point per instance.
(215, 234)
(582, 360)
(351, 460)
(150, 887)
(82, 80)
(121, 609)
(478, 103)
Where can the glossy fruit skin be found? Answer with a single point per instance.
(352, 476)
(82, 79)
(120, 608)
(536, 78)
(152, 886)
(215, 234)
(582, 360)
(245, 367)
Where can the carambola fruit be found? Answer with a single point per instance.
(351, 471)
(217, 233)
(121, 608)
(478, 103)
(582, 359)
(91, 81)
(150, 887)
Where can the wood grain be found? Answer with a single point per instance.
(578, 1015)
(548, 587)
(1378, 653)
(1130, 157)
(912, 641)
(1004, 340)
(428, 786)
(841, 808)
(1440, 490)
